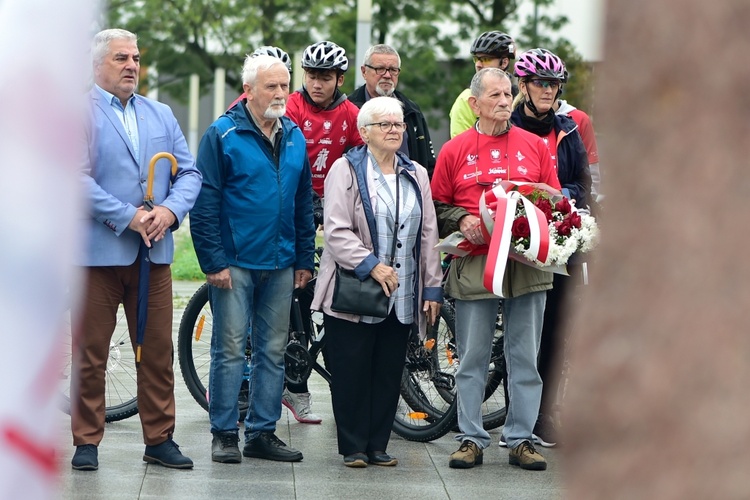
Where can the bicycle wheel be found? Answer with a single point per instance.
(427, 409)
(194, 350)
(120, 389)
(441, 342)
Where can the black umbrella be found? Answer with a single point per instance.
(143, 255)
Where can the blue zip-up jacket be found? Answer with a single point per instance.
(254, 210)
(572, 158)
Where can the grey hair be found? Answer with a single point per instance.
(379, 106)
(477, 82)
(255, 63)
(381, 48)
(100, 44)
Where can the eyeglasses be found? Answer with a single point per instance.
(546, 84)
(484, 59)
(381, 71)
(388, 126)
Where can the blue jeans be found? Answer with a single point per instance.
(258, 304)
(475, 329)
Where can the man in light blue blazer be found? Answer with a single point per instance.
(125, 130)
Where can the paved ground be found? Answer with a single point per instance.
(422, 471)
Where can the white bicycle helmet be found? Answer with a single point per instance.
(325, 55)
(274, 52)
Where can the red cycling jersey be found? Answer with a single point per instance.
(328, 132)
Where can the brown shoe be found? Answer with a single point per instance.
(468, 455)
(526, 457)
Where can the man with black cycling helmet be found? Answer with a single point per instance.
(491, 49)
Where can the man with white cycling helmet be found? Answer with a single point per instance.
(328, 121)
(491, 49)
(327, 118)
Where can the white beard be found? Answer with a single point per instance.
(275, 110)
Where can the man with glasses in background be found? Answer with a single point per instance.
(471, 163)
(381, 68)
(491, 49)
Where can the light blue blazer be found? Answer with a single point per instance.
(114, 181)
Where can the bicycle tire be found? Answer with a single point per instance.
(445, 360)
(424, 413)
(121, 391)
(194, 350)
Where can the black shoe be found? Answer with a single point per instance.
(545, 432)
(270, 447)
(167, 454)
(356, 460)
(224, 448)
(85, 457)
(381, 458)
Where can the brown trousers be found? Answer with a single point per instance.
(93, 326)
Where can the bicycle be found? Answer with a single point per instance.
(121, 396)
(427, 408)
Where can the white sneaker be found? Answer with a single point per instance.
(537, 440)
(299, 405)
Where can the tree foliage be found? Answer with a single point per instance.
(432, 36)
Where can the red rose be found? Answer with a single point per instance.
(545, 206)
(563, 228)
(520, 228)
(563, 206)
(575, 220)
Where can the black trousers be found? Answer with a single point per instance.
(366, 363)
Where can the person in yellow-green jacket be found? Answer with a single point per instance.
(491, 49)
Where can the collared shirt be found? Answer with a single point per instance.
(274, 130)
(126, 115)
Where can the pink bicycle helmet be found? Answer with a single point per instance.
(540, 63)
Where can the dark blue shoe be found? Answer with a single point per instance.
(167, 454)
(85, 457)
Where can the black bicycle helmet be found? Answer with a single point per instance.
(494, 43)
(325, 55)
(268, 50)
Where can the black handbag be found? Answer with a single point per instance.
(365, 298)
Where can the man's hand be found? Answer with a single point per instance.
(301, 277)
(469, 227)
(222, 279)
(153, 225)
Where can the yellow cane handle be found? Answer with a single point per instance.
(151, 166)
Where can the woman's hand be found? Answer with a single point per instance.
(386, 276)
(431, 310)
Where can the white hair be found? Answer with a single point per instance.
(260, 62)
(100, 44)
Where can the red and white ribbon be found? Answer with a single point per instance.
(497, 210)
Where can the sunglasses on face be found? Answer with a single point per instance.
(545, 84)
(484, 59)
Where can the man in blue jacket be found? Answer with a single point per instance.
(124, 132)
(254, 236)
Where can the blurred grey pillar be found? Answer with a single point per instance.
(658, 404)
(220, 91)
(193, 107)
(364, 27)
